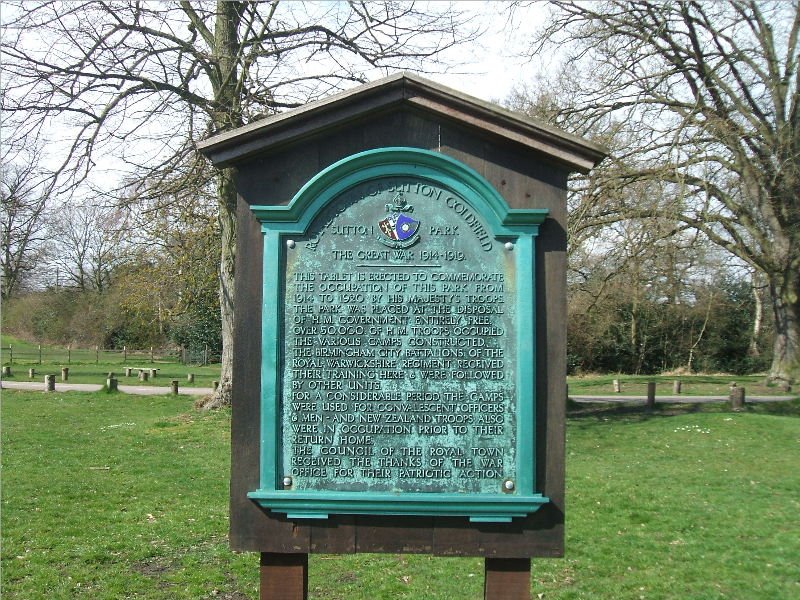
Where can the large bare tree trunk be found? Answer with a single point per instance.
(226, 192)
(785, 294)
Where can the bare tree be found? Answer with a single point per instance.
(168, 74)
(24, 202)
(707, 96)
(89, 243)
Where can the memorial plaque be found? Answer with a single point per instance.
(399, 329)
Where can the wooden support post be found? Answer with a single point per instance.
(49, 383)
(676, 386)
(651, 395)
(175, 386)
(616, 386)
(284, 576)
(737, 397)
(507, 579)
(190, 377)
(64, 373)
(111, 384)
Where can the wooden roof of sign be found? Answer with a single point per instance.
(397, 92)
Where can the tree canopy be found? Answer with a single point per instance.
(702, 100)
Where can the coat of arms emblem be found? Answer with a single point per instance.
(398, 229)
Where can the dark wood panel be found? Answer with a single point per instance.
(525, 181)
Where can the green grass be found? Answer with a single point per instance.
(108, 499)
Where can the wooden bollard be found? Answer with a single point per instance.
(215, 385)
(111, 384)
(651, 395)
(616, 386)
(128, 371)
(737, 397)
(6, 371)
(143, 375)
(175, 386)
(676, 386)
(31, 373)
(50, 383)
(190, 377)
(64, 373)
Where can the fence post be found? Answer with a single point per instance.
(124, 354)
(651, 395)
(10, 354)
(737, 397)
(40, 354)
(151, 354)
(97, 355)
(69, 354)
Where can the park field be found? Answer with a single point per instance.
(88, 366)
(107, 496)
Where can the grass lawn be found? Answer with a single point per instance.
(111, 499)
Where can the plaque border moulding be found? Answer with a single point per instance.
(517, 226)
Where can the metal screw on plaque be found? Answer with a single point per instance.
(287, 482)
(290, 243)
(508, 485)
(509, 246)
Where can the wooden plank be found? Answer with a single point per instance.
(507, 579)
(413, 535)
(283, 576)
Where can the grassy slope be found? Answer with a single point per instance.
(114, 499)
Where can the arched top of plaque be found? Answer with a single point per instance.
(420, 164)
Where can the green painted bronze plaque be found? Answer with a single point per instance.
(398, 336)
(399, 370)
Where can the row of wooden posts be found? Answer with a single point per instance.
(736, 396)
(111, 381)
